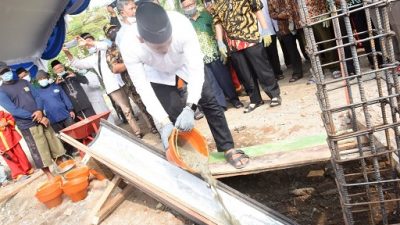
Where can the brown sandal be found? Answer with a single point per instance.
(234, 162)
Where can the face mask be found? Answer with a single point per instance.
(44, 82)
(131, 20)
(7, 76)
(1, 82)
(27, 78)
(61, 74)
(190, 12)
(51, 80)
(92, 50)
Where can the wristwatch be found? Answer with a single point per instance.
(192, 106)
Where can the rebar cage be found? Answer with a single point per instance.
(360, 110)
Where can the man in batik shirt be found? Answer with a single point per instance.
(239, 18)
(283, 12)
(218, 73)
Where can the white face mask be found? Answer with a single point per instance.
(92, 50)
(61, 74)
(8, 76)
(190, 12)
(27, 78)
(131, 19)
(44, 82)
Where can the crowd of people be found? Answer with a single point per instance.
(174, 66)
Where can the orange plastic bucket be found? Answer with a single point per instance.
(66, 166)
(97, 175)
(194, 138)
(50, 193)
(77, 172)
(76, 189)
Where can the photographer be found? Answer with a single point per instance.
(114, 18)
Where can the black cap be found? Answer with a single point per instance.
(86, 35)
(3, 66)
(20, 70)
(55, 63)
(153, 23)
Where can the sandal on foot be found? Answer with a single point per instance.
(280, 77)
(276, 101)
(22, 177)
(336, 74)
(295, 78)
(31, 171)
(237, 104)
(237, 162)
(252, 107)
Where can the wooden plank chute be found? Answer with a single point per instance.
(144, 167)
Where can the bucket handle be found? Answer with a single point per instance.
(176, 132)
(55, 166)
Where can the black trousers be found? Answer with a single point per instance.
(273, 57)
(253, 67)
(223, 78)
(285, 52)
(62, 124)
(216, 87)
(173, 103)
(359, 21)
(293, 54)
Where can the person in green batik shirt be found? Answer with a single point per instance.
(202, 22)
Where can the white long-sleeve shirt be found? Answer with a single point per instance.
(272, 25)
(183, 59)
(112, 81)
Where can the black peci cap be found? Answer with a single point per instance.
(153, 23)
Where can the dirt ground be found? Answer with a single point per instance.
(306, 195)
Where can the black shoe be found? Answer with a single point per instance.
(252, 107)
(280, 77)
(237, 104)
(295, 78)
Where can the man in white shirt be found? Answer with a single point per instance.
(127, 10)
(112, 82)
(168, 43)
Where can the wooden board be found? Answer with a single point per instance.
(149, 171)
(273, 161)
(273, 156)
(112, 204)
(9, 191)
